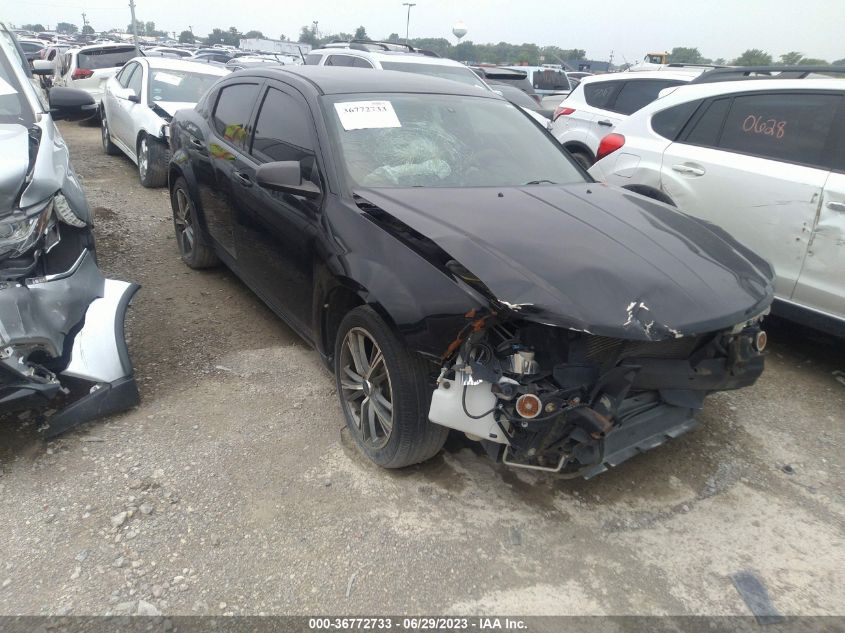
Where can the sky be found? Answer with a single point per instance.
(629, 28)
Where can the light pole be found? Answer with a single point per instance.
(408, 21)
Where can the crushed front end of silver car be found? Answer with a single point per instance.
(62, 346)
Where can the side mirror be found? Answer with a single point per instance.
(286, 176)
(42, 67)
(128, 94)
(70, 104)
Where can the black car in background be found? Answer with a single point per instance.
(456, 269)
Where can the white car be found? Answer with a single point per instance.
(89, 68)
(391, 56)
(140, 101)
(170, 50)
(403, 58)
(601, 102)
(764, 160)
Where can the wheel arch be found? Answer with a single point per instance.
(577, 147)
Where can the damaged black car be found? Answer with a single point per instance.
(457, 270)
(61, 321)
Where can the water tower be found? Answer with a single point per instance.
(459, 30)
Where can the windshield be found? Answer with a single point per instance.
(455, 73)
(179, 85)
(105, 57)
(14, 108)
(411, 140)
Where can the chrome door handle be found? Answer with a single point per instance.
(686, 169)
(836, 206)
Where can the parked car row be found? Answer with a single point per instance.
(449, 259)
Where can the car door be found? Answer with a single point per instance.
(121, 126)
(276, 231)
(821, 285)
(754, 164)
(112, 103)
(220, 154)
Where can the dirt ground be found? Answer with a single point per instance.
(231, 489)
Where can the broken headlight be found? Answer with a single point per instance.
(20, 231)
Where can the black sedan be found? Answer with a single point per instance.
(456, 269)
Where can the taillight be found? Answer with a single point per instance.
(561, 111)
(609, 144)
(81, 73)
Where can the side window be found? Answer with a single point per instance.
(313, 60)
(135, 80)
(232, 112)
(705, 131)
(601, 94)
(66, 60)
(360, 62)
(283, 132)
(669, 122)
(640, 92)
(340, 60)
(124, 74)
(789, 127)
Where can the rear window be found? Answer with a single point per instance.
(638, 93)
(551, 80)
(707, 128)
(30, 47)
(105, 58)
(455, 73)
(669, 123)
(601, 94)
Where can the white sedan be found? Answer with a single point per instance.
(140, 101)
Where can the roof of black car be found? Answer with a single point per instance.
(333, 80)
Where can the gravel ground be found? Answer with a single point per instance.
(231, 489)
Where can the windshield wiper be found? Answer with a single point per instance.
(540, 182)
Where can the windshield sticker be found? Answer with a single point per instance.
(6, 89)
(167, 78)
(366, 115)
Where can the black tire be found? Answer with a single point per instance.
(153, 158)
(412, 438)
(194, 248)
(108, 147)
(582, 158)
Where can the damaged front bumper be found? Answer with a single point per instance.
(551, 399)
(62, 340)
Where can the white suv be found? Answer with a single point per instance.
(601, 102)
(89, 68)
(390, 56)
(764, 160)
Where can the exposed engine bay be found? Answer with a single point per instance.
(548, 398)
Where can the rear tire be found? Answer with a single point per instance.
(384, 392)
(582, 159)
(108, 147)
(194, 247)
(153, 157)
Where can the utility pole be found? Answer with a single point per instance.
(84, 20)
(134, 25)
(408, 20)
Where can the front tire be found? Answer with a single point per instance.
(384, 393)
(194, 248)
(108, 147)
(153, 157)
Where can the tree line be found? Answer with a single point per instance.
(501, 53)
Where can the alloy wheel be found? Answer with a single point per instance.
(104, 131)
(365, 386)
(183, 218)
(143, 158)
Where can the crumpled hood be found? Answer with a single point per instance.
(172, 107)
(590, 257)
(14, 161)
